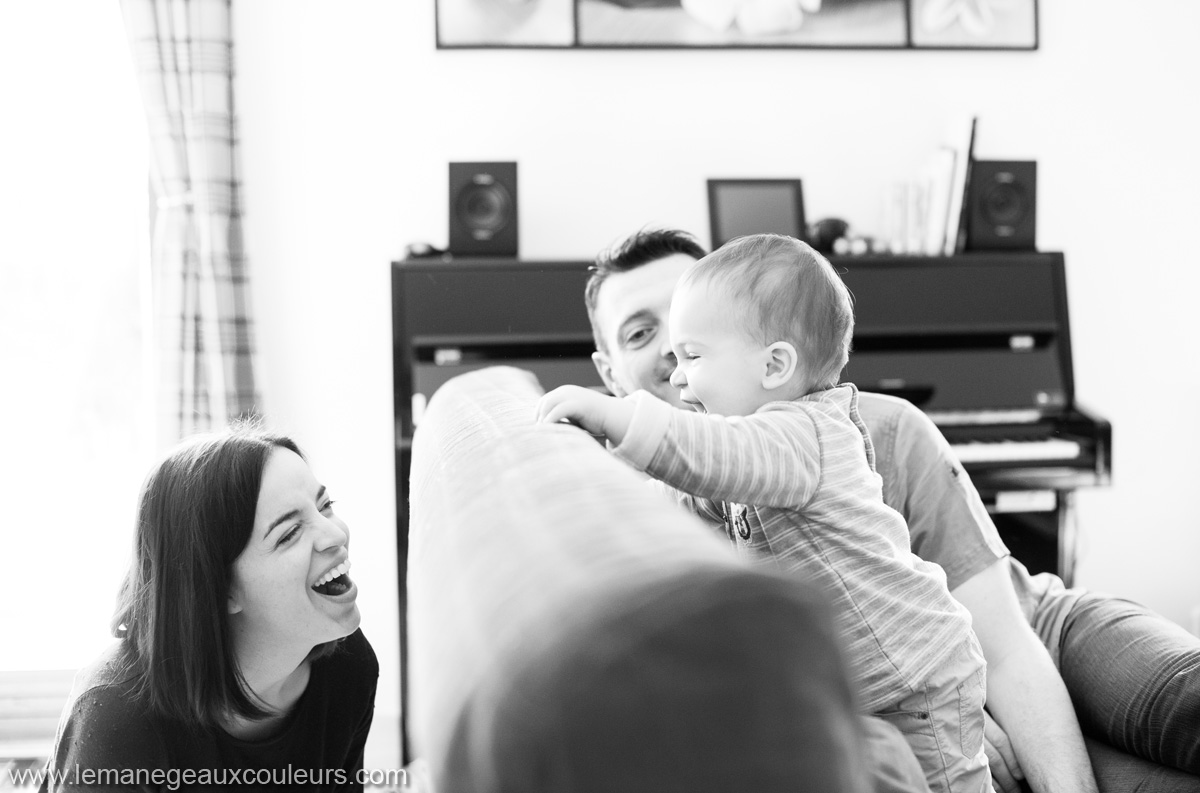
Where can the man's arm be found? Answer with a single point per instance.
(949, 525)
(1025, 694)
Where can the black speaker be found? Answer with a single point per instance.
(483, 209)
(1002, 206)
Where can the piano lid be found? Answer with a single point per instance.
(965, 334)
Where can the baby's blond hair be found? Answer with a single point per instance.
(783, 290)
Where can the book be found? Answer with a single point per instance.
(939, 178)
(917, 216)
(961, 140)
(895, 217)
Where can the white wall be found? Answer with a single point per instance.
(349, 116)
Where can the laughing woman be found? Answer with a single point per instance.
(239, 661)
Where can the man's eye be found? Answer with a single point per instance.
(637, 336)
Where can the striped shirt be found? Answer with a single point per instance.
(795, 483)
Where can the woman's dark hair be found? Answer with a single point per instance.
(195, 515)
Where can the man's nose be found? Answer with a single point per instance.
(664, 347)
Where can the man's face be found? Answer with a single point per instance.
(631, 313)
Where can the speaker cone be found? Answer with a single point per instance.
(484, 207)
(1005, 204)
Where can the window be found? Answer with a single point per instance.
(74, 248)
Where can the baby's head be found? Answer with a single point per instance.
(761, 319)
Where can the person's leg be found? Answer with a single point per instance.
(1134, 677)
(1118, 772)
(943, 723)
(890, 761)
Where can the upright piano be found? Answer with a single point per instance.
(980, 342)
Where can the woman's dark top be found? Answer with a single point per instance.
(109, 741)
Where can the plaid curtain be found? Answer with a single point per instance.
(203, 332)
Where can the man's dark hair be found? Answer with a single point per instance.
(642, 247)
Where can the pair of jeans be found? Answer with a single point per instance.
(1134, 678)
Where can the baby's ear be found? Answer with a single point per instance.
(782, 362)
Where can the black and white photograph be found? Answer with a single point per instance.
(599, 396)
(999, 24)
(505, 23)
(856, 24)
(742, 23)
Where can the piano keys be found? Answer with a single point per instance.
(1066, 450)
(1015, 451)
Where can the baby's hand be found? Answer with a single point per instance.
(581, 406)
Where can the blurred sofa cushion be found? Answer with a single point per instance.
(572, 630)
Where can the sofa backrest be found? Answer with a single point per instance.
(570, 629)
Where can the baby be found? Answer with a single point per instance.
(777, 453)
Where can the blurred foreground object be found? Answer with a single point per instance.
(573, 630)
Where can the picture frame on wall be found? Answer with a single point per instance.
(737, 207)
(742, 23)
(738, 24)
(505, 23)
(973, 24)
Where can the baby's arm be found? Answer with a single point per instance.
(597, 413)
(769, 459)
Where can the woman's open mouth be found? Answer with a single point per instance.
(335, 582)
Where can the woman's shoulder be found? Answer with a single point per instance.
(106, 691)
(106, 716)
(106, 688)
(104, 723)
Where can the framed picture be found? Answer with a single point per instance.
(505, 23)
(977, 24)
(738, 24)
(737, 207)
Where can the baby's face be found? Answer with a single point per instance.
(720, 366)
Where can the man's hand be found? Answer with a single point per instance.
(1006, 771)
(597, 413)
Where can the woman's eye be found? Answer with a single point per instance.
(288, 537)
(328, 506)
